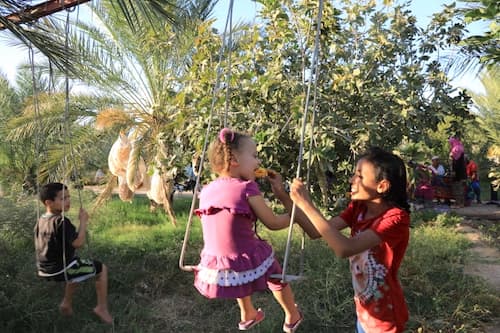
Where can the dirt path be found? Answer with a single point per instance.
(485, 259)
(485, 255)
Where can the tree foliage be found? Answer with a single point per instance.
(488, 107)
(41, 141)
(377, 84)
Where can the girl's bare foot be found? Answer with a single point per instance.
(104, 314)
(65, 310)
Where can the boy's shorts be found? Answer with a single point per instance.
(77, 270)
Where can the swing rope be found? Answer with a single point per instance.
(314, 77)
(182, 266)
(67, 135)
(66, 138)
(309, 160)
(31, 59)
(229, 20)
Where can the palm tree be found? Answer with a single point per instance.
(136, 13)
(477, 51)
(488, 106)
(42, 141)
(136, 55)
(140, 61)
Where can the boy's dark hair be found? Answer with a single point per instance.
(49, 191)
(391, 167)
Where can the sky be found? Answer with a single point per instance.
(12, 55)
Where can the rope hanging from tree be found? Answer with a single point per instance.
(313, 78)
(31, 59)
(226, 44)
(66, 140)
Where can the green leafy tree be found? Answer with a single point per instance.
(140, 62)
(488, 107)
(39, 142)
(378, 84)
(484, 46)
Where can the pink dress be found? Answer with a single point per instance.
(234, 262)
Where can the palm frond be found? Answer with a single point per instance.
(112, 117)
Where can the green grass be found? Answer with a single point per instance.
(149, 293)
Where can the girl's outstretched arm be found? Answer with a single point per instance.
(301, 218)
(329, 230)
(266, 215)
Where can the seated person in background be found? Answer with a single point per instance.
(423, 192)
(437, 171)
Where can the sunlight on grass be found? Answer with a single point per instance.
(132, 234)
(142, 251)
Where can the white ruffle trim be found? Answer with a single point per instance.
(231, 278)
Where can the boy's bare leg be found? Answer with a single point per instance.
(101, 288)
(287, 301)
(66, 306)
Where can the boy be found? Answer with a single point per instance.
(56, 239)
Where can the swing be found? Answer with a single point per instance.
(225, 44)
(284, 277)
(66, 138)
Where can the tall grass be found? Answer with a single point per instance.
(149, 293)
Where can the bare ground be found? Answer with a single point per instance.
(485, 255)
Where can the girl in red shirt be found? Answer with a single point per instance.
(379, 219)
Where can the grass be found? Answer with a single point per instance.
(149, 293)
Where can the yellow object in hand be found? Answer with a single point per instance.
(261, 173)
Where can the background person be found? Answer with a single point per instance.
(458, 169)
(51, 230)
(473, 178)
(437, 170)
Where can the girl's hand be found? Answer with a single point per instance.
(276, 181)
(299, 193)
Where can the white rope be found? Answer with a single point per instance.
(182, 266)
(31, 57)
(314, 77)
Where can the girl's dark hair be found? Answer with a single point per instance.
(49, 191)
(222, 147)
(392, 168)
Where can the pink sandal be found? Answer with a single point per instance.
(290, 328)
(246, 325)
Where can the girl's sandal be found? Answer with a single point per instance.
(246, 325)
(290, 328)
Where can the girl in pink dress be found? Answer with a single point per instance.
(235, 262)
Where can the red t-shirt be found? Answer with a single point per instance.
(471, 170)
(379, 298)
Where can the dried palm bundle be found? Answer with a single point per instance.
(119, 155)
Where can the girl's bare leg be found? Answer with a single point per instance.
(247, 310)
(287, 301)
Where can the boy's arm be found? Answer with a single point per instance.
(83, 216)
